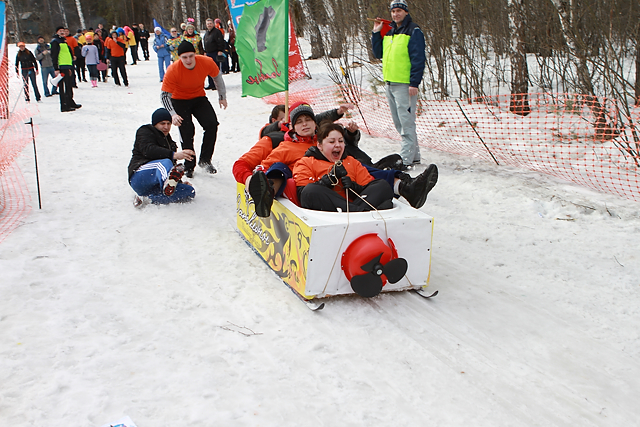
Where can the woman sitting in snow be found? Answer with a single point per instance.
(153, 172)
(326, 177)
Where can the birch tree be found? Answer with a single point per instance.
(63, 13)
(183, 4)
(80, 15)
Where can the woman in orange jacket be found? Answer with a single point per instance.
(326, 177)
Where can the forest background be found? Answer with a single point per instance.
(476, 48)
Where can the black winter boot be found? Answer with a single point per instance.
(415, 190)
(261, 191)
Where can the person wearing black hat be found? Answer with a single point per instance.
(402, 50)
(62, 57)
(184, 97)
(153, 172)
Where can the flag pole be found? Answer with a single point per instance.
(286, 62)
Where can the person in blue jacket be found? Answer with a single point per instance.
(163, 51)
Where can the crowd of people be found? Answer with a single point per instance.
(308, 157)
(67, 58)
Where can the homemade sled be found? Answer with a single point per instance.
(321, 254)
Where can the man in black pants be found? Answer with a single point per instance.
(213, 43)
(62, 57)
(143, 41)
(183, 96)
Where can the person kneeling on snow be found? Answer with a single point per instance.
(153, 171)
(330, 180)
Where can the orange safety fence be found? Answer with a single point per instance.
(15, 134)
(583, 139)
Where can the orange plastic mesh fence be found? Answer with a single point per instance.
(14, 135)
(583, 139)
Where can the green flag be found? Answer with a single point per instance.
(262, 43)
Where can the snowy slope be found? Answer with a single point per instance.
(165, 315)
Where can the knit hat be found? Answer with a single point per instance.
(300, 110)
(21, 44)
(399, 4)
(157, 29)
(184, 47)
(160, 115)
(120, 30)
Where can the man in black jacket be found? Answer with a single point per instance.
(153, 172)
(62, 57)
(29, 65)
(213, 43)
(143, 41)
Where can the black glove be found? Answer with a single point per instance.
(348, 184)
(328, 181)
(338, 170)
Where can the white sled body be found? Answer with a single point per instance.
(305, 247)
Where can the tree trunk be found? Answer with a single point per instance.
(63, 13)
(584, 84)
(174, 12)
(637, 84)
(81, 15)
(198, 22)
(519, 70)
(183, 4)
(315, 37)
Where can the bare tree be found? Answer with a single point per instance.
(183, 5)
(519, 70)
(63, 13)
(80, 15)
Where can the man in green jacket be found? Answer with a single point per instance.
(62, 57)
(402, 50)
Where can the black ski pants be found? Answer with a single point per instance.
(317, 197)
(202, 110)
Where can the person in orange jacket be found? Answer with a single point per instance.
(116, 46)
(329, 180)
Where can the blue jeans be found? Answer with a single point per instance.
(30, 74)
(163, 64)
(403, 113)
(149, 179)
(46, 72)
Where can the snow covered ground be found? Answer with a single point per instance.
(165, 314)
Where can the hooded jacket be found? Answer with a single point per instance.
(314, 165)
(26, 60)
(61, 53)
(43, 54)
(150, 144)
(402, 51)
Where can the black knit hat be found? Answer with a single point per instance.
(185, 47)
(160, 115)
(302, 109)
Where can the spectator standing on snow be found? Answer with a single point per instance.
(43, 54)
(143, 37)
(173, 43)
(153, 169)
(402, 50)
(183, 96)
(80, 62)
(29, 65)
(62, 56)
(116, 46)
(161, 47)
(235, 65)
(92, 58)
(75, 51)
(213, 42)
(131, 37)
(194, 38)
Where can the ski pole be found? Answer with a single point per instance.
(35, 155)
